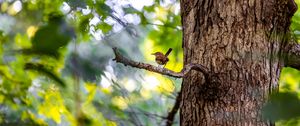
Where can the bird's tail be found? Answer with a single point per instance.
(168, 52)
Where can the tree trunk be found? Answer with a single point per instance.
(239, 42)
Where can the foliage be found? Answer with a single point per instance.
(289, 101)
(56, 68)
(283, 106)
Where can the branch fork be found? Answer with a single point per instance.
(187, 68)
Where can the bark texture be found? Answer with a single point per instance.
(239, 42)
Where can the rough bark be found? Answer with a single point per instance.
(240, 42)
(293, 56)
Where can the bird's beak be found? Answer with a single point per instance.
(152, 53)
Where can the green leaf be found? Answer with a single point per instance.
(84, 23)
(149, 8)
(77, 3)
(104, 7)
(3, 38)
(282, 106)
(103, 10)
(104, 27)
(48, 39)
(130, 10)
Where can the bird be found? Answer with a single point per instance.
(161, 58)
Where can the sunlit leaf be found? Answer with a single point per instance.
(104, 27)
(84, 23)
(22, 41)
(52, 106)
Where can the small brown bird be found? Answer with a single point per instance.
(161, 58)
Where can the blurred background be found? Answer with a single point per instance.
(56, 63)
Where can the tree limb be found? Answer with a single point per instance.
(172, 113)
(187, 68)
(293, 56)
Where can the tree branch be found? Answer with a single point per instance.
(172, 113)
(187, 68)
(293, 56)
